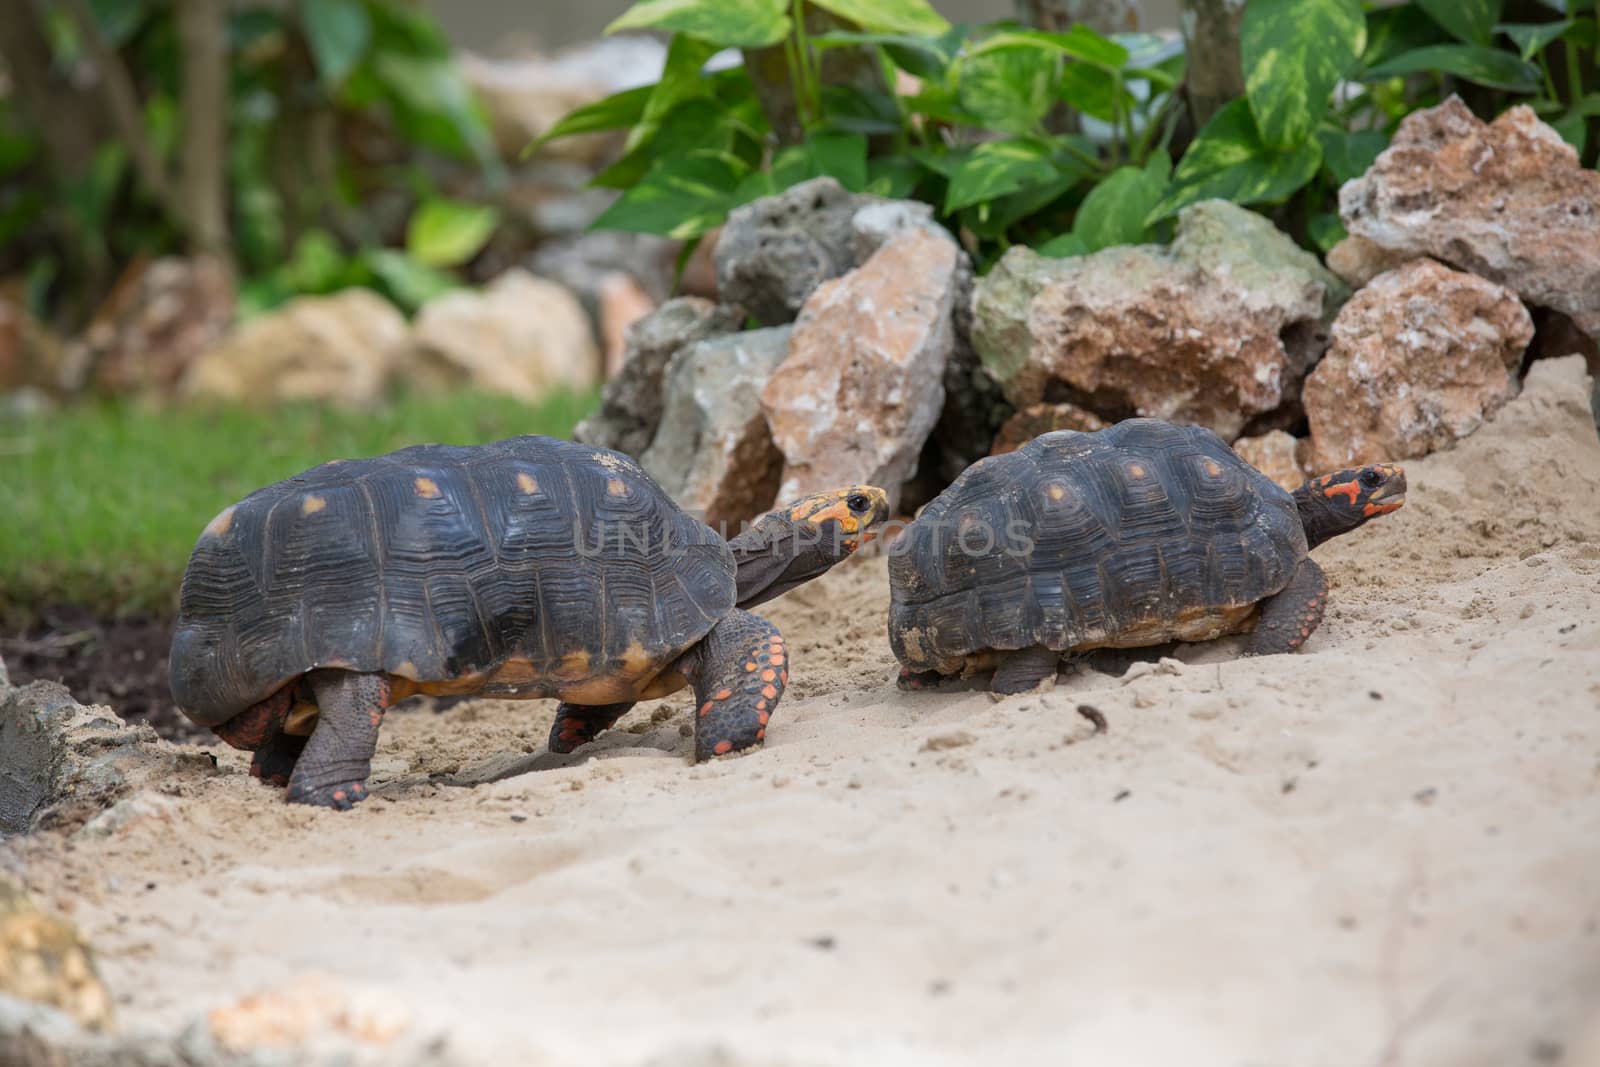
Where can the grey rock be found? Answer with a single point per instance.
(714, 453)
(630, 406)
(64, 761)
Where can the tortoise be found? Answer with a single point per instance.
(1138, 534)
(528, 568)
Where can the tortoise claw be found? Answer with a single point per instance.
(341, 796)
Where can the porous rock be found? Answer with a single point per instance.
(1036, 419)
(1507, 200)
(713, 452)
(44, 960)
(520, 335)
(341, 348)
(161, 316)
(1420, 358)
(1214, 330)
(630, 406)
(1275, 454)
(863, 384)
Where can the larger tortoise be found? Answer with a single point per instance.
(529, 568)
(1138, 534)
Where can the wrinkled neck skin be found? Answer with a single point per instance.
(1321, 517)
(773, 557)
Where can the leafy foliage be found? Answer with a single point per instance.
(1069, 142)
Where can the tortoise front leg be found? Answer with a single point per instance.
(332, 772)
(1025, 670)
(1289, 616)
(739, 672)
(577, 724)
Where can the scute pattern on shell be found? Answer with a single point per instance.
(1099, 538)
(438, 562)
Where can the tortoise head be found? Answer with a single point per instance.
(793, 544)
(1339, 502)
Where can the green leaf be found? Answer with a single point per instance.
(431, 88)
(681, 197)
(840, 155)
(1228, 160)
(697, 124)
(889, 16)
(1348, 153)
(1080, 42)
(894, 177)
(1574, 129)
(1326, 230)
(925, 57)
(1391, 31)
(1090, 91)
(847, 109)
(338, 32)
(1009, 90)
(1471, 21)
(317, 264)
(446, 233)
(1294, 53)
(680, 80)
(1532, 37)
(724, 23)
(1485, 66)
(1063, 247)
(1114, 212)
(996, 169)
(405, 281)
(118, 20)
(613, 113)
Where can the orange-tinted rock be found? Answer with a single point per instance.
(1357, 261)
(1419, 358)
(862, 386)
(623, 302)
(161, 316)
(1508, 201)
(1036, 419)
(1275, 454)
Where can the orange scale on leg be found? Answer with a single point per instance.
(723, 747)
(777, 659)
(769, 675)
(770, 692)
(723, 694)
(761, 734)
(705, 709)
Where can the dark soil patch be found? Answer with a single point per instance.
(120, 662)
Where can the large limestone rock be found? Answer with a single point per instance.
(1214, 330)
(64, 762)
(1420, 357)
(1275, 454)
(520, 335)
(774, 252)
(30, 355)
(863, 384)
(714, 453)
(44, 960)
(1508, 201)
(630, 406)
(340, 348)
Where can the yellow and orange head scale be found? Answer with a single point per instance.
(855, 512)
(1367, 491)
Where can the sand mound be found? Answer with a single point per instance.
(1385, 850)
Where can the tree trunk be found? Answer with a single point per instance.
(202, 173)
(1216, 76)
(1102, 16)
(769, 68)
(71, 123)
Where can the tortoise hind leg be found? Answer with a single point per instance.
(578, 724)
(1025, 670)
(739, 672)
(1289, 616)
(275, 761)
(332, 772)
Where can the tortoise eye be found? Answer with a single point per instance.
(858, 502)
(1371, 479)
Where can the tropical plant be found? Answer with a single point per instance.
(1065, 141)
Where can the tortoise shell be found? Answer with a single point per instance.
(1133, 535)
(529, 567)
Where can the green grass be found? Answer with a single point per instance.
(101, 504)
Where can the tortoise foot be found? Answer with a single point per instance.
(341, 796)
(274, 761)
(912, 681)
(576, 725)
(741, 677)
(1027, 670)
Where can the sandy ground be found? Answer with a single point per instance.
(1384, 850)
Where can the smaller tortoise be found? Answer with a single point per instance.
(529, 568)
(1138, 534)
